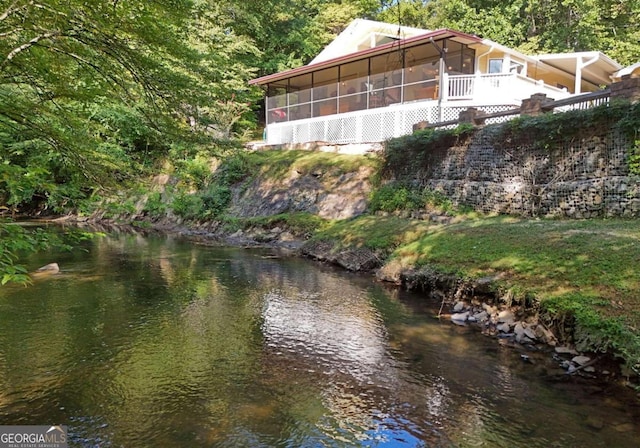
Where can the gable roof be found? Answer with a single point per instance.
(365, 38)
(633, 70)
(361, 34)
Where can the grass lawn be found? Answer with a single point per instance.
(587, 268)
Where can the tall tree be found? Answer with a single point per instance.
(62, 59)
(290, 33)
(536, 26)
(87, 87)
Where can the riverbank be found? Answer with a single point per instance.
(548, 285)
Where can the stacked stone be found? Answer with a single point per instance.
(588, 178)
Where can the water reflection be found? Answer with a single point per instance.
(157, 342)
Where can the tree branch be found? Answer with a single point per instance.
(27, 45)
(12, 9)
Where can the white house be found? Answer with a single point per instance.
(376, 80)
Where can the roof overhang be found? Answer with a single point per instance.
(382, 49)
(597, 68)
(633, 70)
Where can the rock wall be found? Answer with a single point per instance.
(586, 178)
(330, 194)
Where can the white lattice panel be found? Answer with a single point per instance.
(389, 124)
(301, 132)
(372, 125)
(451, 113)
(349, 126)
(334, 130)
(316, 131)
(371, 128)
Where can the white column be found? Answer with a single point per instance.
(578, 82)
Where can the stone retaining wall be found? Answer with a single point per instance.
(586, 178)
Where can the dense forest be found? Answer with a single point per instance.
(93, 94)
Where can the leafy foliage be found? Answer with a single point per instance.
(394, 197)
(85, 90)
(533, 26)
(16, 241)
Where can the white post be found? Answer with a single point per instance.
(578, 82)
(580, 64)
(442, 71)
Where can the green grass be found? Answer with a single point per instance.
(275, 164)
(586, 269)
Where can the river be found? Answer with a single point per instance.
(155, 341)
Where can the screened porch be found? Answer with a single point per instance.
(402, 75)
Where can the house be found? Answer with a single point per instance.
(376, 80)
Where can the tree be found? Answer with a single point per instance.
(542, 26)
(87, 88)
(60, 61)
(291, 33)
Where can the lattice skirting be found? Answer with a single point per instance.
(374, 125)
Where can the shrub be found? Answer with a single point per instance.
(393, 197)
(188, 206)
(155, 207)
(215, 200)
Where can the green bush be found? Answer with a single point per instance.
(215, 200)
(195, 172)
(235, 168)
(394, 197)
(154, 206)
(188, 206)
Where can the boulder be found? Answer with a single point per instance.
(459, 306)
(460, 317)
(46, 271)
(506, 316)
(580, 360)
(51, 268)
(561, 350)
(528, 332)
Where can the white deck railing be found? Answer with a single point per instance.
(373, 125)
(488, 92)
(506, 86)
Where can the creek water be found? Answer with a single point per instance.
(154, 341)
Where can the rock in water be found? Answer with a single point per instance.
(460, 317)
(51, 268)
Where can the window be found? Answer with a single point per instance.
(495, 65)
(516, 67)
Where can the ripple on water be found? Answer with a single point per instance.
(154, 343)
